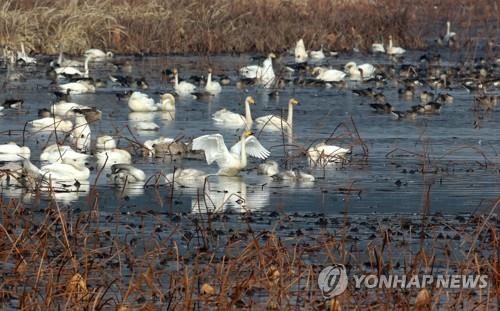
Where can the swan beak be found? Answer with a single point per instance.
(248, 133)
(251, 101)
(294, 101)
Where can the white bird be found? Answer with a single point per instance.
(300, 52)
(232, 161)
(317, 55)
(394, 50)
(140, 102)
(105, 142)
(64, 109)
(62, 62)
(113, 156)
(98, 55)
(212, 87)
(68, 171)
(328, 75)
(294, 175)
(22, 56)
(79, 87)
(185, 175)
(62, 154)
(12, 152)
(231, 119)
(268, 168)
(449, 36)
(264, 74)
(276, 123)
(80, 136)
(183, 88)
(378, 48)
(327, 153)
(51, 124)
(361, 72)
(126, 173)
(72, 71)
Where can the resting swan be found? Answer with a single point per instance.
(378, 48)
(126, 173)
(51, 124)
(72, 71)
(317, 55)
(276, 123)
(62, 154)
(212, 87)
(394, 50)
(13, 152)
(67, 171)
(140, 102)
(361, 72)
(327, 153)
(183, 88)
(80, 87)
(232, 161)
(234, 119)
(185, 175)
(80, 136)
(328, 75)
(64, 109)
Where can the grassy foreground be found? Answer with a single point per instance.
(211, 26)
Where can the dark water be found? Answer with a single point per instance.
(388, 180)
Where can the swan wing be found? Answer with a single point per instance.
(214, 147)
(253, 148)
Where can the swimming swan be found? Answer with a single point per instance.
(98, 55)
(394, 50)
(328, 75)
(80, 136)
(105, 142)
(378, 48)
(317, 55)
(277, 123)
(79, 87)
(361, 72)
(213, 87)
(64, 109)
(264, 74)
(234, 119)
(140, 102)
(183, 88)
(232, 161)
(126, 173)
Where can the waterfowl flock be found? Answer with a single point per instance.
(424, 89)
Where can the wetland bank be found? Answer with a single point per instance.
(414, 193)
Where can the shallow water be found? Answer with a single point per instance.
(384, 182)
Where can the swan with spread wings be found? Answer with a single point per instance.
(231, 161)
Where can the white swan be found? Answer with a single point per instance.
(22, 56)
(67, 171)
(80, 87)
(183, 88)
(300, 52)
(276, 123)
(317, 55)
(394, 50)
(294, 175)
(105, 142)
(80, 135)
(268, 168)
(65, 109)
(13, 152)
(212, 87)
(361, 72)
(62, 154)
(378, 48)
(62, 62)
(72, 71)
(98, 55)
(126, 173)
(328, 75)
(449, 36)
(264, 74)
(51, 124)
(140, 102)
(232, 161)
(113, 156)
(327, 153)
(230, 118)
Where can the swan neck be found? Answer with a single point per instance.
(243, 155)
(390, 43)
(176, 80)
(448, 28)
(209, 79)
(60, 59)
(290, 114)
(86, 67)
(248, 114)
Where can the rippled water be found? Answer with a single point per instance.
(388, 180)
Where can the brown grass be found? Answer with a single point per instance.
(213, 26)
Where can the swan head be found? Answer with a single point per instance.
(317, 70)
(294, 101)
(247, 133)
(250, 100)
(25, 151)
(209, 70)
(109, 54)
(271, 55)
(175, 71)
(350, 67)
